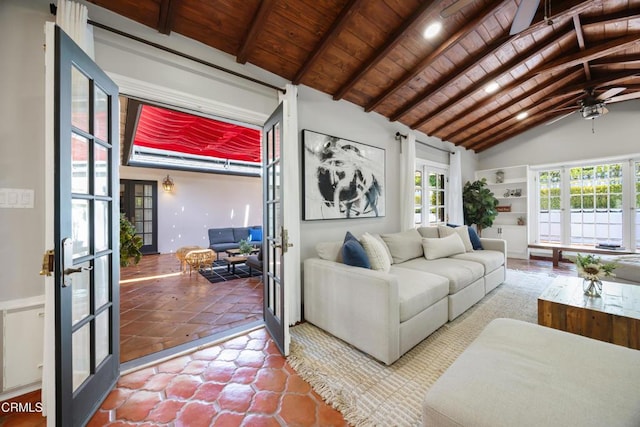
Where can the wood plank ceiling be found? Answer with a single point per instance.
(373, 54)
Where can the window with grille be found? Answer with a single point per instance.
(430, 194)
(586, 204)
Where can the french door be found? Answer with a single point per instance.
(139, 203)
(86, 237)
(276, 236)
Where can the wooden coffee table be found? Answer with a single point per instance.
(614, 317)
(232, 261)
(236, 252)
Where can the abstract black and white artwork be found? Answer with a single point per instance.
(342, 178)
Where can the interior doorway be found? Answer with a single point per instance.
(167, 307)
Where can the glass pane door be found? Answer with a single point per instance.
(86, 135)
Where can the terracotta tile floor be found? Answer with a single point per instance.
(241, 382)
(160, 307)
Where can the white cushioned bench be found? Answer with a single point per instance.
(521, 374)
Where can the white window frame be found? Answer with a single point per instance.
(629, 232)
(426, 167)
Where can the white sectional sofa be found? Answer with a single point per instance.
(386, 313)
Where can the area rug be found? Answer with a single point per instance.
(369, 393)
(219, 273)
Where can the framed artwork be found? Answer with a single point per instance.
(341, 178)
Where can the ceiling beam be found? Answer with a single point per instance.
(462, 32)
(425, 8)
(336, 28)
(257, 25)
(616, 60)
(607, 80)
(580, 37)
(531, 94)
(514, 63)
(480, 140)
(612, 18)
(167, 15)
(602, 49)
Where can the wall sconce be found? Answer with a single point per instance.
(168, 184)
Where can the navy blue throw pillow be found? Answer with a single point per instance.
(353, 253)
(473, 236)
(475, 239)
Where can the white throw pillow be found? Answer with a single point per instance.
(331, 251)
(442, 247)
(386, 248)
(376, 252)
(462, 231)
(404, 246)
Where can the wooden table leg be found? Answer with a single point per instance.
(556, 257)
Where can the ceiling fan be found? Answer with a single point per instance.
(522, 19)
(592, 106)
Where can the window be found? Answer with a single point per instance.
(596, 204)
(434, 188)
(585, 204)
(550, 213)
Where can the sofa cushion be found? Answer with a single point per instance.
(461, 273)
(429, 231)
(443, 246)
(255, 234)
(353, 253)
(240, 233)
(221, 235)
(404, 245)
(418, 290)
(489, 259)
(376, 252)
(473, 236)
(331, 251)
(462, 231)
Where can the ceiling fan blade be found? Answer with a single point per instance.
(610, 93)
(524, 16)
(454, 7)
(625, 97)
(572, 108)
(557, 119)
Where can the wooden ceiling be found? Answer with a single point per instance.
(373, 54)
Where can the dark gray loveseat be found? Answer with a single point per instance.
(222, 239)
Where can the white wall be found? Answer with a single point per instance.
(570, 139)
(200, 201)
(21, 144)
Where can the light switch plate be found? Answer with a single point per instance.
(17, 198)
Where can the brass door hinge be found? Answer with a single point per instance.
(47, 263)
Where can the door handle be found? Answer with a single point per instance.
(77, 270)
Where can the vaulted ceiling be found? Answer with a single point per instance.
(575, 57)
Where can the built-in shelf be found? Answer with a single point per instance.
(505, 224)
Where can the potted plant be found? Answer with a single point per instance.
(245, 247)
(479, 204)
(130, 243)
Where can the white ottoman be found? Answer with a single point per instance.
(521, 374)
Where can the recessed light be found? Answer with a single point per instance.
(522, 115)
(432, 30)
(491, 87)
